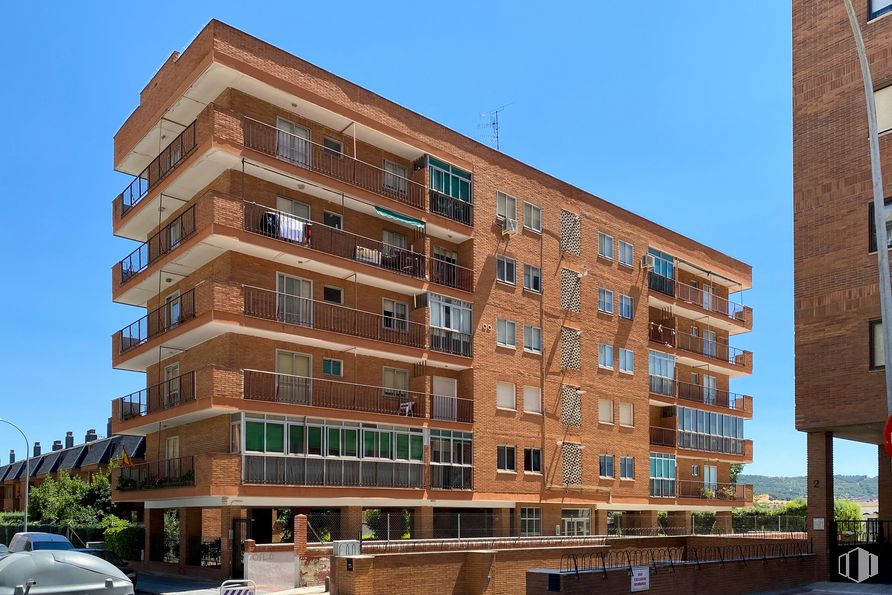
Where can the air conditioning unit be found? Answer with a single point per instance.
(509, 227)
(648, 261)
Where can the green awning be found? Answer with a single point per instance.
(399, 218)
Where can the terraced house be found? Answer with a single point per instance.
(349, 307)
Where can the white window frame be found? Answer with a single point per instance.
(625, 461)
(532, 399)
(624, 249)
(398, 324)
(341, 289)
(630, 408)
(532, 339)
(532, 471)
(506, 333)
(530, 521)
(603, 404)
(626, 361)
(602, 459)
(535, 274)
(605, 353)
(605, 300)
(340, 366)
(513, 462)
(395, 178)
(506, 386)
(391, 390)
(506, 205)
(626, 306)
(531, 214)
(505, 261)
(605, 246)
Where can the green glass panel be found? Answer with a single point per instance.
(275, 437)
(416, 448)
(314, 440)
(385, 442)
(402, 446)
(296, 439)
(349, 443)
(334, 442)
(369, 444)
(254, 436)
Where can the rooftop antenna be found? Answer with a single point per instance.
(492, 124)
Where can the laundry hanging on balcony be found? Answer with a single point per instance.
(399, 218)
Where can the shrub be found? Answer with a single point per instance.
(124, 538)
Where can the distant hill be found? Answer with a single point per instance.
(851, 487)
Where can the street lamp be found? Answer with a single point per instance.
(879, 203)
(27, 466)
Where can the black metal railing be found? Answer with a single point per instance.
(204, 551)
(299, 311)
(662, 436)
(296, 470)
(451, 207)
(450, 274)
(664, 285)
(697, 393)
(862, 531)
(164, 395)
(167, 239)
(711, 348)
(163, 164)
(446, 408)
(158, 321)
(737, 492)
(660, 385)
(451, 477)
(168, 473)
(449, 341)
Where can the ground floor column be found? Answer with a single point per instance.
(599, 521)
(423, 522)
(227, 538)
(154, 524)
(190, 537)
(820, 498)
(723, 525)
(351, 522)
(502, 522)
(884, 469)
(679, 522)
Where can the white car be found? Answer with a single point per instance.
(60, 573)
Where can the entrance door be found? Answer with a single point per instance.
(709, 389)
(293, 383)
(172, 309)
(295, 305)
(710, 478)
(172, 456)
(170, 390)
(445, 404)
(709, 343)
(292, 142)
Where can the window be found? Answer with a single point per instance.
(395, 381)
(505, 459)
(626, 361)
(605, 356)
(396, 315)
(605, 246)
(293, 207)
(530, 522)
(394, 239)
(605, 466)
(395, 178)
(505, 270)
(506, 331)
(626, 254)
(627, 467)
(532, 338)
(661, 364)
(505, 397)
(878, 7)
(332, 367)
(662, 475)
(532, 217)
(333, 147)
(625, 306)
(714, 432)
(332, 220)
(663, 263)
(506, 207)
(263, 436)
(532, 460)
(605, 301)
(333, 295)
(605, 411)
(449, 181)
(532, 277)
(695, 470)
(626, 414)
(877, 350)
(532, 399)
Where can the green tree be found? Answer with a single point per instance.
(734, 472)
(846, 510)
(71, 500)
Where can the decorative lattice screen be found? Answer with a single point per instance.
(571, 406)
(570, 283)
(569, 232)
(571, 455)
(570, 348)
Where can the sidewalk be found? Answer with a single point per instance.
(828, 588)
(151, 583)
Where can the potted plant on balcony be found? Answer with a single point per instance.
(706, 493)
(728, 493)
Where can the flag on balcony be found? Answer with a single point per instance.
(126, 461)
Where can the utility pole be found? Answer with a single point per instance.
(27, 468)
(879, 203)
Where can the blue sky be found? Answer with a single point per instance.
(680, 112)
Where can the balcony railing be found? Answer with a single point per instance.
(449, 408)
(316, 236)
(321, 159)
(165, 395)
(155, 171)
(662, 436)
(451, 207)
(449, 341)
(450, 274)
(715, 491)
(697, 393)
(296, 470)
(300, 311)
(451, 477)
(169, 238)
(160, 320)
(169, 473)
(703, 299)
(710, 348)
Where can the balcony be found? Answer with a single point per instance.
(166, 240)
(158, 397)
(330, 472)
(451, 477)
(169, 473)
(157, 322)
(700, 394)
(733, 494)
(316, 392)
(728, 359)
(163, 164)
(450, 341)
(693, 302)
(662, 436)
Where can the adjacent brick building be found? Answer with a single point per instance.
(352, 307)
(840, 385)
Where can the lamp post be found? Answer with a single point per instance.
(27, 466)
(879, 203)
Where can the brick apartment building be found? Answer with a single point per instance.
(840, 384)
(349, 306)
